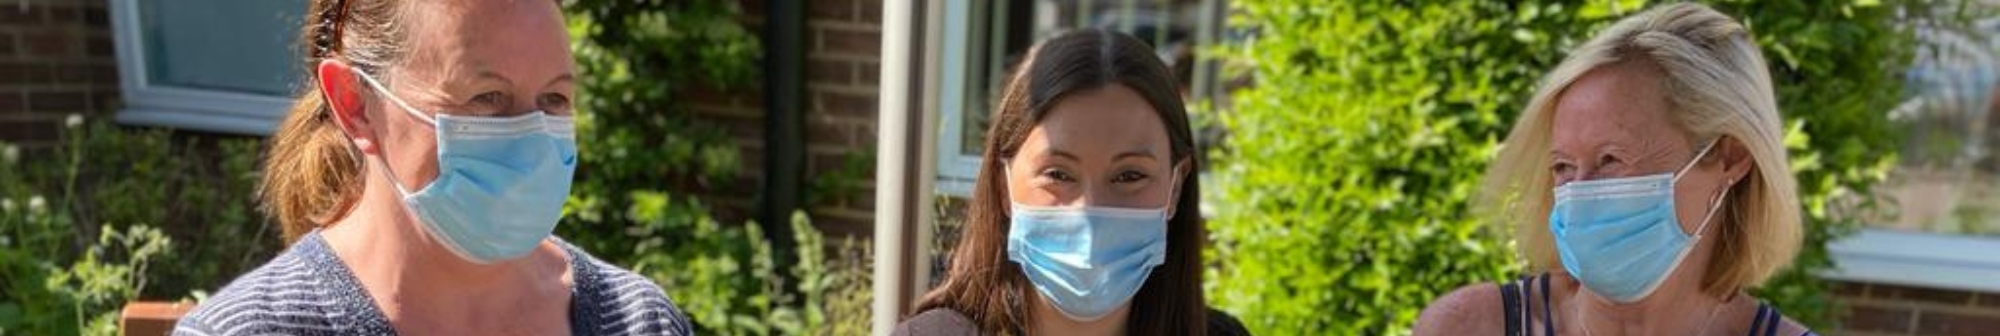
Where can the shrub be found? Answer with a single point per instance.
(1342, 199)
(643, 160)
(109, 183)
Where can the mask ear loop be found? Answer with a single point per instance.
(1714, 205)
(1174, 197)
(384, 91)
(1697, 159)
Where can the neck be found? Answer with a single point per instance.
(1678, 307)
(1046, 320)
(416, 282)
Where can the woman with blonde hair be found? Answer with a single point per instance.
(1647, 183)
(419, 177)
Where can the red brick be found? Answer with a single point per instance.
(100, 46)
(59, 101)
(849, 42)
(845, 104)
(48, 43)
(15, 14)
(837, 10)
(96, 17)
(105, 74)
(871, 12)
(1944, 323)
(28, 130)
(1921, 294)
(751, 7)
(829, 71)
(72, 73)
(1850, 289)
(868, 73)
(11, 102)
(1874, 318)
(829, 131)
(71, 15)
(6, 43)
(23, 73)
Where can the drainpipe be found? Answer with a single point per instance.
(784, 119)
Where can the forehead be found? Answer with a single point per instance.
(487, 34)
(1616, 103)
(1100, 121)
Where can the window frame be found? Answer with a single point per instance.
(965, 25)
(158, 104)
(1947, 261)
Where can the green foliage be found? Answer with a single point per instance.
(644, 160)
(1342, 192)
(727, 279)
(109, 183)
(1837, 141)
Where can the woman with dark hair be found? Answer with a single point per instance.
(1084, 218)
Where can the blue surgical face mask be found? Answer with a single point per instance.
(501, 181)
(1087, 261)
(1620, 237)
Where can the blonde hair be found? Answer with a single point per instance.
(312, 175)
(1716, 85)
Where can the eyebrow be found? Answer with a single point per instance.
(489, 74)
(1052, 151)
(1145, 153)
(565, 77)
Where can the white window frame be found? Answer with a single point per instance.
(956, 171)
(964, 25)
(159, 104)
(1922, 259)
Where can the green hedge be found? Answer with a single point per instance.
(1342, 190)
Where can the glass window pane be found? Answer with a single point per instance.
(1949, 178)
(230, 45)
(1004, 30)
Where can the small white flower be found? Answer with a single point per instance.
(73, 120)
(10, 153)
(7, 204)
(36, 203)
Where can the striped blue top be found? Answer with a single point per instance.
(308, 291)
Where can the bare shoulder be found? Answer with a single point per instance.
(1468, 310)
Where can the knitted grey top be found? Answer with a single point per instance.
(308, 291)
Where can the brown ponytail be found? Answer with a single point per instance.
(312, 174)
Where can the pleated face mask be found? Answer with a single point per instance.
(1620, 237)
(501, 181)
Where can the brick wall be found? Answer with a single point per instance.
(1883, 310)
(843, 47)
(55, 60)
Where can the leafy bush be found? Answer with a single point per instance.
(1342, 199)
(643, 159)
(110, 183)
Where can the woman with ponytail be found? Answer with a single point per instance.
(418, 179)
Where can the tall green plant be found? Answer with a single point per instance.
(1342, 201)
(69, 257)
(644, 160)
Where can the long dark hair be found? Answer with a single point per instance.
(989, 289)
